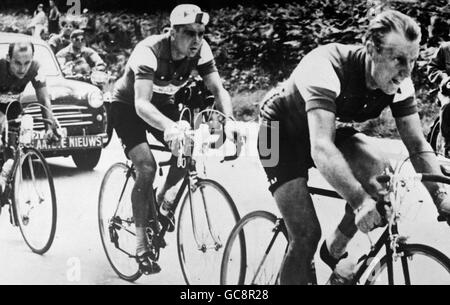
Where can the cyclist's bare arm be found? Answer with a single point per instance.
(410, 130)
(143, 92)
(330, 161)
(214, 84)
(43, 98)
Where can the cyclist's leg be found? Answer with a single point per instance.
(142, 195)
(288, 178)
(366, 161)
(175, 173)
(296, 206)
(174, 176)
(132, 131)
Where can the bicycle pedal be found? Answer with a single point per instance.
(114, 237)
(153, 270)
(161, 242)
(148, 267)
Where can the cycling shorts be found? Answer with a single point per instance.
(285, 151)
(132, 130)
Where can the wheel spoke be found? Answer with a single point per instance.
(206, 217)
(116, 221)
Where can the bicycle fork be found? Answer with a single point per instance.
(192, 183)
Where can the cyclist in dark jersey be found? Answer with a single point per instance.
(143, 101)
(16, 71)
(341, 83)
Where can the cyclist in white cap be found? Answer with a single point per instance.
(143, 101)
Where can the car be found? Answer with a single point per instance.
(78, 106)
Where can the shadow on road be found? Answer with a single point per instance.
(59, 170)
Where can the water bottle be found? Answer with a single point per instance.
(4, 175)
(26, 129)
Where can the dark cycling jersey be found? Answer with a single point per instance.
(151, 59)
(332, 77)
(11, 87)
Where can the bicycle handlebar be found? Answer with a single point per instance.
(421, 177)
(43, 120)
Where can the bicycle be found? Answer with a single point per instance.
(29, 191)
(206, 216)
(272, 243)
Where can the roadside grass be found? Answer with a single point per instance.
(246, 104)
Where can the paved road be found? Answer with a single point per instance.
(77, 257)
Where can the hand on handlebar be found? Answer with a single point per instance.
(442, 201)
(52, 135)
(175, 135)
(372, 214)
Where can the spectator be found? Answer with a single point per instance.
(438, 31)
(53, 18)
(76, 56)
(146, 28)
(39, 22)
(59, 41)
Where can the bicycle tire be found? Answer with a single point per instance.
(435, 139)
(231, 214)
(24, 221)
(105, 237)
(413, 250)
(238, 230)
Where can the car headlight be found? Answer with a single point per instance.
(95, 99)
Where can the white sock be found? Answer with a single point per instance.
(141, 241)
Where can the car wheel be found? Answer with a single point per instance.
(87, 159)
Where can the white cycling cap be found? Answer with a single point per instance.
(187, 14)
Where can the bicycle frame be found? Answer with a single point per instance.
(189, 182)
(385, 240)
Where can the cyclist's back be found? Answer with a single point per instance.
(168, 75)
(333, 77)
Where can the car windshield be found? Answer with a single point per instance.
(43, 55)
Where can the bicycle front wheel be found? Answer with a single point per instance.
(34, 201)
(207, 216)
(116, 222)
(265, 246)
(418, 265)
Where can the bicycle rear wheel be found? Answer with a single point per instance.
(260, 262)
(116, 222)
(207, 216)
(436, 139)
(34, 201)
(419, 265)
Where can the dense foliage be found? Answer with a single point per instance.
(256, 47)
